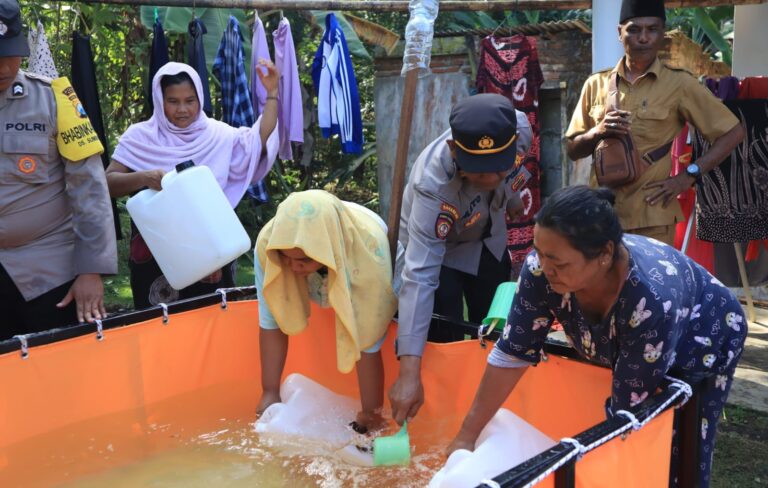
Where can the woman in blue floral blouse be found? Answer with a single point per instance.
(625, 301)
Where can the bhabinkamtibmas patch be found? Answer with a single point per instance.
(76, 138)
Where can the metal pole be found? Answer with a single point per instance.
(401, 5)
(744, 281)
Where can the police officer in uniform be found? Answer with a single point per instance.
(453, 229)
(56, 230)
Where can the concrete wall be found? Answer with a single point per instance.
(750, 41)
(435, 95)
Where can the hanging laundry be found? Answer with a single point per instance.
(338, 103)
(726, 88)
(158, 57)
(259, 50)
(700, 251)
(237, 111)
(290, 113)
(40, 59)
(196, 59)
(510, 66)
(733, 197)
(754, 87)
(83, 79)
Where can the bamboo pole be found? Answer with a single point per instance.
(402, 5)
(401, 160)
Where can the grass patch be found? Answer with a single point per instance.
(740, 450)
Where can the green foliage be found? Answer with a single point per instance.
(354, 44)
(706, 26)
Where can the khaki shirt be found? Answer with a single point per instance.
(661, 101)
(446, 222)
(55, 215)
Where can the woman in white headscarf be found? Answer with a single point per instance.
(179, 131)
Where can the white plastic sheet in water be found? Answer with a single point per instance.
(504, 443)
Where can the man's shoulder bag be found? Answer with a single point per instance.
(617, 161)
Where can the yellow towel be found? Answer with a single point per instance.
(354, 248)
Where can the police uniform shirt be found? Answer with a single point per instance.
(661, 101)
(55, 215)
(446, 222)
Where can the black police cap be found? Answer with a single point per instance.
(484, 129)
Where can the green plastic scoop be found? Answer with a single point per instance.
(502, 302)
(392, 450)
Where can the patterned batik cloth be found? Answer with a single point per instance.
(510, 66)
(732, 203)
(698, 250)
(40, 59)
(671, 317)
(237, 108)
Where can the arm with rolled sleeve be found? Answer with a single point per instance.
(95, 247)
(421, 275)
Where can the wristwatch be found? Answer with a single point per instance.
(694, 171)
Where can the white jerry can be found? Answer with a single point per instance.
(189, 225)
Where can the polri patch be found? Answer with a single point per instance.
(443, 225)
(27, 164)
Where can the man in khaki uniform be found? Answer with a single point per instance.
(655, 101)
(56, 229)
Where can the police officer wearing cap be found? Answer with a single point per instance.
(655, 102)
(56, 230)
(453, 229)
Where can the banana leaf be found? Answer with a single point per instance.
(175, 20)
(705, 22)
(354, 44)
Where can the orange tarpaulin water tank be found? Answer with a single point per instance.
(72, 395)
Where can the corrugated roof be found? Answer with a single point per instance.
(526, 29)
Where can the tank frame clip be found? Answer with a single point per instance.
(165, 312)
(24, 345)
(223, 293)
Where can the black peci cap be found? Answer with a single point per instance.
(13, 42)
(642, 8)
(484, 129)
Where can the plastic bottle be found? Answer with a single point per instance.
(189, 225)
(504, 443)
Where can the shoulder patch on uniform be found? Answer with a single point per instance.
(447, 207)
(17, 89)
(443, 225)
(76, 138)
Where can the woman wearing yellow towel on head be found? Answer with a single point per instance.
(336, 254)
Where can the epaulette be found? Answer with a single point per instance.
(606, 70)
(676, 68)
(37, 77)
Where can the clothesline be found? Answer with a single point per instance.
(402, 5)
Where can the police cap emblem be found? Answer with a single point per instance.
(3, 29)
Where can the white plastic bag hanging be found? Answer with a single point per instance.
(418, 36)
